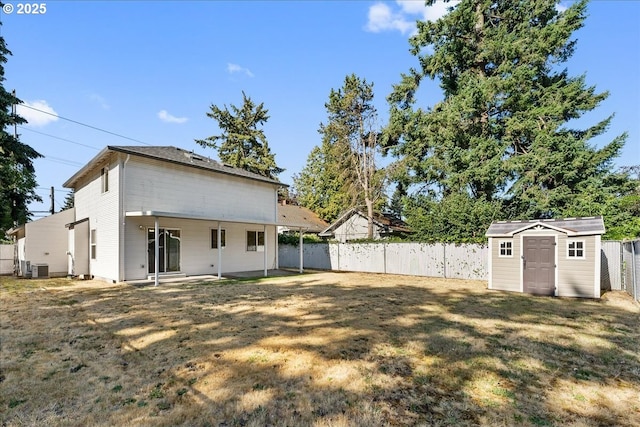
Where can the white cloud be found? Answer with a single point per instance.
(383, 18)
(438, 10)
(235, 68)
(168, 118)
(37, 113)
(100, 101)
(561, 6)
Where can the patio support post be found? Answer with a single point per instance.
(301, 252)
(156, 250)
(219, 250)
(266, 244)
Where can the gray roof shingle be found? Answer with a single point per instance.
(173, 155)
(580, 226)
(299, 216)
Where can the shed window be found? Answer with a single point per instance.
(104, 179)
(575, 249)
(255, 241)
(214, 238)
(506, 248)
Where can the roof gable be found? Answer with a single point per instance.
(382, 221)
(579, 226)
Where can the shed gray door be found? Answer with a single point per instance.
(539, 265)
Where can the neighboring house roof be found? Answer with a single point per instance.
(298, 216)
(172, 155)
(571, 226)
(386, 223)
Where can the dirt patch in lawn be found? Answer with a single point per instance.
(325, 349)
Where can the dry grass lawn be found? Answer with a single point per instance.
(324, 349)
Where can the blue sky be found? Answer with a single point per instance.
(149, 70)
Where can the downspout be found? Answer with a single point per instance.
(123, 233)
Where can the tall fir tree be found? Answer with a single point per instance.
(243, 143)
(324, 185)
(17, 173)
(501, 140)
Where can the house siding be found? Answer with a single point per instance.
(505, 272)
(103, 213)
(196, 255)
(45, 242)
(576, 276)
(356, 227)
(161, 186)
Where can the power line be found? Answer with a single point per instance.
(61, 161)
(57, 137)
(84, 124)
(67, 161)
(49, 189)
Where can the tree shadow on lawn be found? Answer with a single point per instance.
(335, 349)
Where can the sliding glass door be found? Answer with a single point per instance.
(169, 250)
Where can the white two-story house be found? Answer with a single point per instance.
(145, 212)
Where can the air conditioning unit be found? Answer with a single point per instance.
(25, 268)
(40, 271)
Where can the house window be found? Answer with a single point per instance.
(93, 243)
(104, 179)
(575, 249)
(255, 241)
(506, 249)
(214, 238)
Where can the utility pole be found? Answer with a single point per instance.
(53, 206)
(14, 112)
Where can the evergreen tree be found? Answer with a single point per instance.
(501, 137)
(322, 185)
(17, 174)
(242, 143)
(69, 200)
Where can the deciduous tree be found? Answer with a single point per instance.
(342, 172)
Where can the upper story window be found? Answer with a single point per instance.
(506, 248)
(576, 249)
(104, 179)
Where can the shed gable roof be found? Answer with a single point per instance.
(169, 154)
(580, 226)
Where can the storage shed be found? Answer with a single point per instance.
(559, 257)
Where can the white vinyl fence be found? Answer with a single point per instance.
(620, 262)
(611, 277)
(6, 259)
(416, 259)
(631, 264)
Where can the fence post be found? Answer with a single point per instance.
(634, 279)
(444, 259)
(384, 256)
